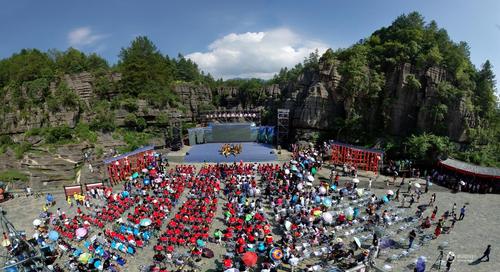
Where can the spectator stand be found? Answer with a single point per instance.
(358, 157)
(70, 190)
(123, 166)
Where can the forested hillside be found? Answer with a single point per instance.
(407, 88)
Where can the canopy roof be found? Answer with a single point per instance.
(129, 154)
(471, 169)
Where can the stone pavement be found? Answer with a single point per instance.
(468, 239)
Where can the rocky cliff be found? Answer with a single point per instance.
(316, 100)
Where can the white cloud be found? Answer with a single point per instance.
(83, 36)
(255, 54)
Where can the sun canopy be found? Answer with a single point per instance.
(129, 154)
(471, 169)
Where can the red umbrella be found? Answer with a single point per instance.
(249, 258)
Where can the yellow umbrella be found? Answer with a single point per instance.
(84, 258)
(6, 243)
(317, 213)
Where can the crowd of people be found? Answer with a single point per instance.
(272, 214)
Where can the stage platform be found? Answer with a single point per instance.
(252, 152)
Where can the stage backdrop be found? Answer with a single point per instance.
(231, 132)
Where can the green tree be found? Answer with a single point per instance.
(142, 65)
(427, 148)
(485, 97)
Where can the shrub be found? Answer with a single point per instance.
(83, 133)
(58, 134)
(21, 148)
(13, 175)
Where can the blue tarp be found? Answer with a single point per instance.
(137, 151)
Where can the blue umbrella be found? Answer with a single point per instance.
(53, 235)
(97, 263)
(299, 175)
(385, 199)
(147, 182)
(50, 198)
(333, 187)
(145, 222)
(125, 194)
(200, 243)
(317, 199)
(327, 202)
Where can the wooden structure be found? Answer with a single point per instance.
(358, 157)
(123, 166)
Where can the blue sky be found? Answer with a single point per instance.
(227, 38)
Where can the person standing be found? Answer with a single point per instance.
(462, 213)
(412, 237)
(453, 209)
(486, 254)
(370, 184)
(433, 199)
(450, 260)
(412, 200)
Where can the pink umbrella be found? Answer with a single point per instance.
(81, 232)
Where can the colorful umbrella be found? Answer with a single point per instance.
(357, 241)
(37, 222)
(97, 264)
(327, 217)
(145, 222)
(249, 259)
(6, 243)
(276, 253)
(360, 192)
(200, 243)
(84, 258)
(53, 235)
(317, 213)
(81, 232)
(327, 202)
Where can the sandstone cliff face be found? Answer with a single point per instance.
(411, 110)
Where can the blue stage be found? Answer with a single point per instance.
(251, 152)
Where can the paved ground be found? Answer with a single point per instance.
(468, 239)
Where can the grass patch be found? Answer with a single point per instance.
(13, 175)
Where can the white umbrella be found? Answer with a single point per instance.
(293, 162)
(357, 241)
(310, 178)
(355, 180)
(417, 185)
(462, 182)
(37, 222)
(288, 225)
(390, 192)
